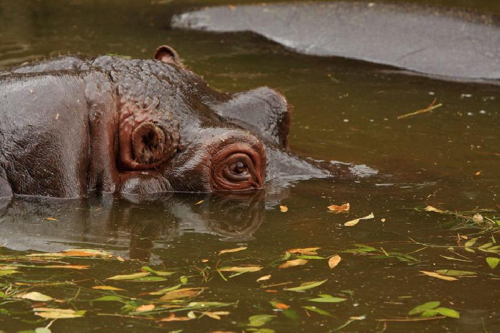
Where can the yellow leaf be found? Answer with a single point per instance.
(200, 202)
(340, 209)
(77, 267)
(233, 250)
(352, 223)
(264, 278)
(284, 209)
(51, 219)
(293, 263)
(334, 261)
(439, 276)
(434, 209)
(145, 308)
(239, 269)
(308, 251)
(36, 296)
(107, 288)
(282, 306)
(216, 314)
(51, 313)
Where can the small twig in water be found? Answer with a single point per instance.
(431, 107)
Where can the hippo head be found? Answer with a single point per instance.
(203, 140)
(114, 125)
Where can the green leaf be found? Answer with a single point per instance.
(310, 257)
(128, 276)
(149, 279)
(424, 307)
(319, 311)
(492, 262)
(109, 298)
(452, 272)
(324, 298)
(429, 313)
(470, 242)
(260, 320)
(361, 249)
(159, 273)
(183, 279)
(42, 330)
(306, 285)
(261, 330)
(448, 312)
(2, 294)
(8, 272)
(165, 290)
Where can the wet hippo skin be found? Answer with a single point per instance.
(70, 126)
(448, 43)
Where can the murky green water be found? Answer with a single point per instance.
(343, 110)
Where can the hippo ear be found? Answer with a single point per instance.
(168, 55)
(262, 111)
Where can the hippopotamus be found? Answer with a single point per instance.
(71, 125)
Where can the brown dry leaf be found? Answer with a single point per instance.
(264, 278)
(239, 269)
(352, 223)
(74, 253)
(439, 276)
(293, 263)
(238, 249)
(282, 306)
(107, 288)
(308, 251)
(340, 209)
(172, 317)
(181, 293)
(434, 209)
(77, 267)
(334, 261)
(145, 308)
(283, 209)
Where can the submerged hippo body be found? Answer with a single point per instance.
(69, 126)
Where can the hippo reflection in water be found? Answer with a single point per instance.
(70, 126)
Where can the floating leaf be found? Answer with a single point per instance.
(281, 306)
(434, 209)
(165, 290)
(145, 308)
(149, 279)
(493, 262)
(36, 296)
(361, 249)
(155, 272)
(107, 288)
(319, 311)
(311, 251)
(77, 267)
(172, 317)
(439, 276)
(452, 272)
(340, 209)
(264, 278)
(50, 313)
(129, 276)
(352, 223)
(306, 285)
(181, 293)
(216, 314)
(74, 253)
(334, 261)
(238, 249)
(109, 298)
(424, 307)
(283, 209)
(42, 330)
(325, 298)
(8, 272)
(241, 269)
(448, 312)
(293, 263)
(260, 320)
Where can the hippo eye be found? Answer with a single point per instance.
(238, 167)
